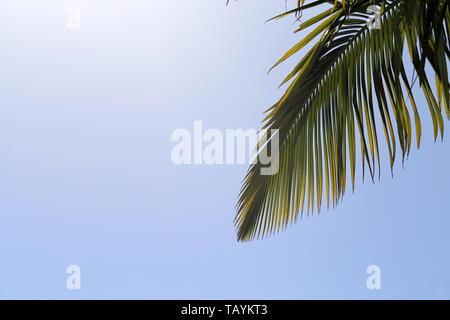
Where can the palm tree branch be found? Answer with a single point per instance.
(332, 89)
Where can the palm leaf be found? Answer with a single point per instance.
(351, 71)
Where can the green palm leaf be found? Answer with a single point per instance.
(335, 91)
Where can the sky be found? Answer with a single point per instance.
(86, 176)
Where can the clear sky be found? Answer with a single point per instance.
(86, 177)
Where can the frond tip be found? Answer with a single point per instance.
(353, 69)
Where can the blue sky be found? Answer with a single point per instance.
(86, 177)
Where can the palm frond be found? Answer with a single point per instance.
(334, 91)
